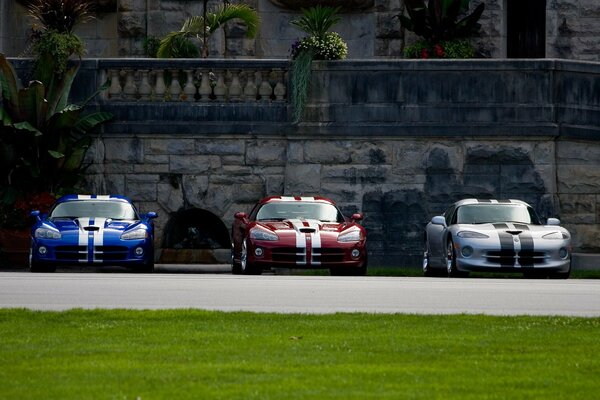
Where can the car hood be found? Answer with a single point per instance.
(512, 228)
(77, 225)
(304, 226)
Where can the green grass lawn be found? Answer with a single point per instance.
(187, 354)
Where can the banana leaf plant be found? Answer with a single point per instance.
(43, 139)
(438, 20)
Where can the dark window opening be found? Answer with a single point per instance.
(526, 28)
(195, 229)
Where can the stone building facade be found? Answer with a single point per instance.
(569, 28)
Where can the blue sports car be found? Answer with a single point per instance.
(92, 230)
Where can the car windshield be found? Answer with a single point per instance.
(490, 213)
(299, 210)
(94, 209)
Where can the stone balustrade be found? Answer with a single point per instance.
(217, 81)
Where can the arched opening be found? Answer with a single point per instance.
(195, 236)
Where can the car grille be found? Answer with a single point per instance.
(288, 254)
(298, 255)
(508, 257)
(325, 256)
(80, 253)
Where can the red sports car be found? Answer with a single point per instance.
(298, 232)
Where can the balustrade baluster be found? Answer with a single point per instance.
(129, 90)
(280, 90)
(145, 90)
(175, 87)
(265, 90)
(114, 91)
(189, 89)
(220, 89)
(159, 87)
(250, 90)
(205, 89)
(235, 88)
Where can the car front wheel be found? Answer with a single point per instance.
(246, 266)
(451, 262)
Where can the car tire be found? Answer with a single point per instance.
(236, 268)
(148, 266)
(247, 267)
(560, 275)
(35, 266)
(428, 270)
(451, 262)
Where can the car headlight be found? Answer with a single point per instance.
(471, 235)
(556, 236)
(262, 234)
(352, 236)
(135, 234)
(46, 233)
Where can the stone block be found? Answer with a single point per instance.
(498, 154)
(194, 164)
(150, 168)
(141, 190)
(220, 147)
(543, 153)
(195, 187)
(342, 193)
(169, 146)
(295, 152)
(364, 174)
(577, 153)
(266, 153)
(169, 198)
(302, 179)
(327, 152)
(410, 156)
(578, 179)
(123, 150)
(520, 178)
(373, 153)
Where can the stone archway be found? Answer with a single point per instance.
(195, 236)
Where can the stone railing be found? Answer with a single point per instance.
(217, 81)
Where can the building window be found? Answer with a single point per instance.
(526, 28)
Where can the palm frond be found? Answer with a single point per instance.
(316, 21)
(229, 12)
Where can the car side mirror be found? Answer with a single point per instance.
(151, 215)
(36, 214)
(438, 220)
(553, 221)
(241, 215)
(357, 217)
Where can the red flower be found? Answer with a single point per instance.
(439, 51)
(424, 54)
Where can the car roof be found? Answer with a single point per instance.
(490, 201)
(76, 197)
(314, 199)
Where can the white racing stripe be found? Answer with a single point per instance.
(83, 237)
(300, 240)
(98, 239)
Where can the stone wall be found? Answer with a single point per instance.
(572, 29)
(398, 141)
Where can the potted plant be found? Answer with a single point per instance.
(178, 45)
(437, 22)
(320, 44)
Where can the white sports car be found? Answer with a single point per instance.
(496, 235)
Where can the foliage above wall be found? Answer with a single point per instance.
(345, 5)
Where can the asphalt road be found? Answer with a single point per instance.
(215, 290)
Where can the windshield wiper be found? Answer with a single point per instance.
(271, 219)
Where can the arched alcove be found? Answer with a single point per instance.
(194, 236)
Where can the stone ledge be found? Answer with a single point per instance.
(585, 262)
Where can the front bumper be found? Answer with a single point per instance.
(550, 256)
(272, 254)
(124, 253)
